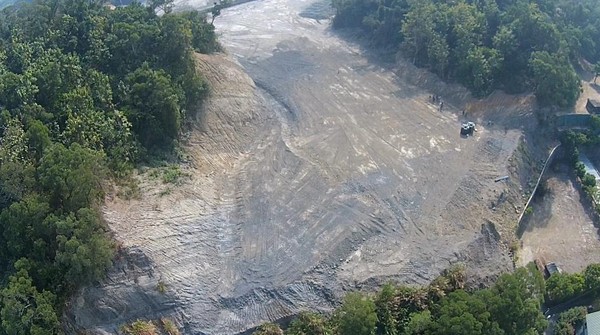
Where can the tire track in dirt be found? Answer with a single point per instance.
(331, 173)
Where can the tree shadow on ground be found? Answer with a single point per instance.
(420, 84)
(560, 173)
(541, 209)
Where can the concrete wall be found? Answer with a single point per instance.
(548, 162)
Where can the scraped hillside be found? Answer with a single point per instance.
(311, 170)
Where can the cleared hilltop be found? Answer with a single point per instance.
(318, 172)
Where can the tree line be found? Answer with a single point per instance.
(86, 92)
(512, 306)
(513, 45)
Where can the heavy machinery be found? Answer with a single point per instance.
(467, 129)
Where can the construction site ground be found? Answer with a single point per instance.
(312, 169)
(560, 228)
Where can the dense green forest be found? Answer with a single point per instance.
(514, 45)
(512, 306)
(85, 93)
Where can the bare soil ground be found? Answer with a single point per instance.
(560, 228)
(590, 89)
(317, 172)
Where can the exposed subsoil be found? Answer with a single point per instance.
(561, 228)
(314, 169)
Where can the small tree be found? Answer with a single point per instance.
(25, 310)
(308, 324)
(387, 324)
(592, 277)
(357, 316)
(268, 329)
(564, 286)
(165, 5)
(216, 10)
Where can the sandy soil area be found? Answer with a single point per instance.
(590, 89)
(315, 169)
(560, 229)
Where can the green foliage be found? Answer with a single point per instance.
(84, 92)
(420, 323)
(38, 139)
(169, 326)
(161, 287)
(563, 286)
(166, 6)
(140, 327)
(71, 176)
(515, 301)
(357, 315)
(511, 306)
(529, 210)
(570, 320)
(386, 322)
(268, 329)
(592, 277)
(153, 106)
(83, 253)
(16, 181)
(580, 170)
(22, 227)
(589, 185)
(352, 12)
(457, 276)
(216, 10)
(13, 146)
(25, 310)
(203, 35)
(512, 45)
(307, 323)
(463, 313)
(556, 83)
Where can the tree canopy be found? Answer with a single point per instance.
(511, 306)
(85, 93)
(516, 46)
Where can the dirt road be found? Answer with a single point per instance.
(320, 172)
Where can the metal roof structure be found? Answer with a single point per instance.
(592, 321)
(594, 103)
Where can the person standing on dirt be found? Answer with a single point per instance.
(441, 105)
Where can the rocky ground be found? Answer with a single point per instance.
(313, 168)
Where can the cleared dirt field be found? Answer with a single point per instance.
(317, 172)
(560, 229)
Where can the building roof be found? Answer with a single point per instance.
(592, 321)
(594, 103)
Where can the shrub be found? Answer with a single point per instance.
(140, 327)
(169, 326)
